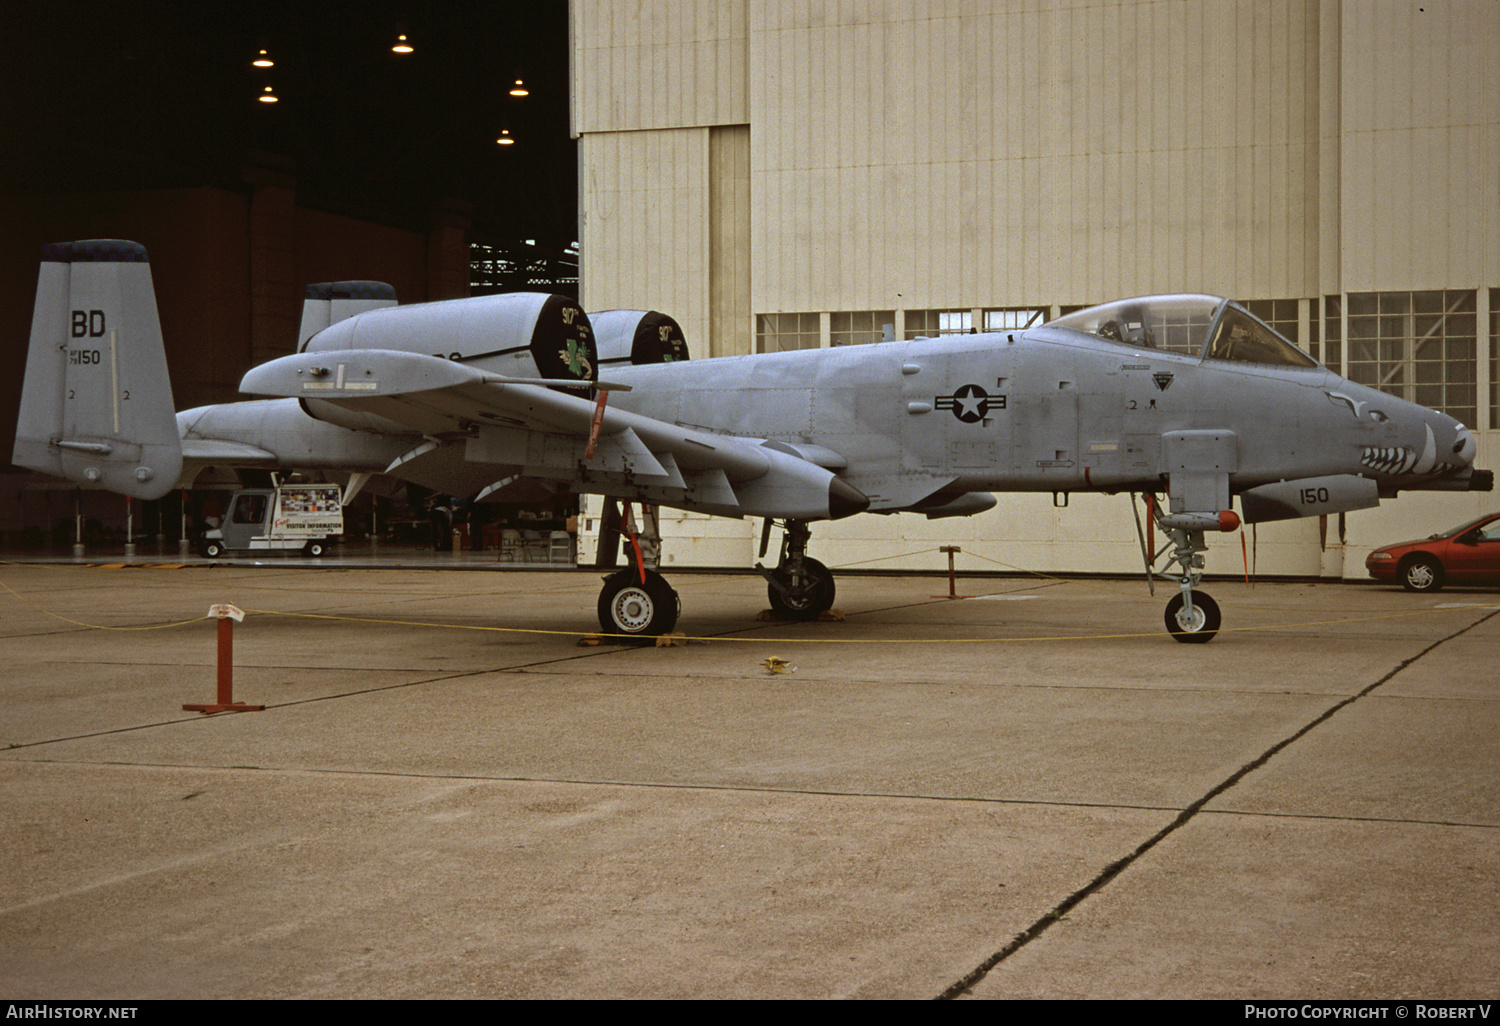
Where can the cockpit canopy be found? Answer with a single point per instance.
(1203, 326)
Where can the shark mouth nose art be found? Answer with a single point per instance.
(1392, 460)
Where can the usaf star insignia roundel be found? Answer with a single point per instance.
(969, 403)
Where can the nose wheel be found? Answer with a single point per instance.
(1197, 623)
(801, 594)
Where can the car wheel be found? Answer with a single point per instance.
(1422, 573)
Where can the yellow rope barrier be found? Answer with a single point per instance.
(759, 638)
(93, 626)
(843, 641)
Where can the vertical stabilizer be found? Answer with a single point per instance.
(329, 302)
(96, 406)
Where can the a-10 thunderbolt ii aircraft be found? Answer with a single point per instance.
(1186, 396)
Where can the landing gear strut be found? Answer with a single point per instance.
(1192, 616)
(800, 588)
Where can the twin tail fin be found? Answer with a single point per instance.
(96, 404)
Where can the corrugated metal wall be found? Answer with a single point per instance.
(772, 156)
(949, 152)
(645, 219)
(1057, 152)
(646, 64)
(1420, 131)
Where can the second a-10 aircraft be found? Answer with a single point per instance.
(1186, 396)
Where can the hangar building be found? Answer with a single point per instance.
(803, 173)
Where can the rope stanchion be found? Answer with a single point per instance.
(952, 576)
(227, 615)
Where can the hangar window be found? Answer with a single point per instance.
(861, 327)
(933, 323)
(1421, 346)
(1013, 318)
(783, 332)
(1284, 317)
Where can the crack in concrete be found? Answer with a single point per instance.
(967, 983)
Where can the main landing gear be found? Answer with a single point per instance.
(636, 602)
(1192, 616)
(800, 588)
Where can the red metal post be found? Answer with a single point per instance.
(226, 661)
(952, 576)
(227, 615)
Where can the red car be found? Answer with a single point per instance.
(1468, 554)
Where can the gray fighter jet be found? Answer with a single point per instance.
(1186, 396)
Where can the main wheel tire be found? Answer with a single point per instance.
(315, 548)
(1203, 625)
(1422, 573)
(813, 598)
(212, 549)
(626, 606)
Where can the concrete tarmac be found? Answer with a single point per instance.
(1032, 792)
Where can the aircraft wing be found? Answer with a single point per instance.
(486, 421)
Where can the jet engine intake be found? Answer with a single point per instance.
(517, 335)
(637, 337)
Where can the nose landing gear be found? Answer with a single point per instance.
(1192, 616)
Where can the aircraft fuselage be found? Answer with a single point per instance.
(1044, 410)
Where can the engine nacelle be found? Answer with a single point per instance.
(636, 337)
(518, 335)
